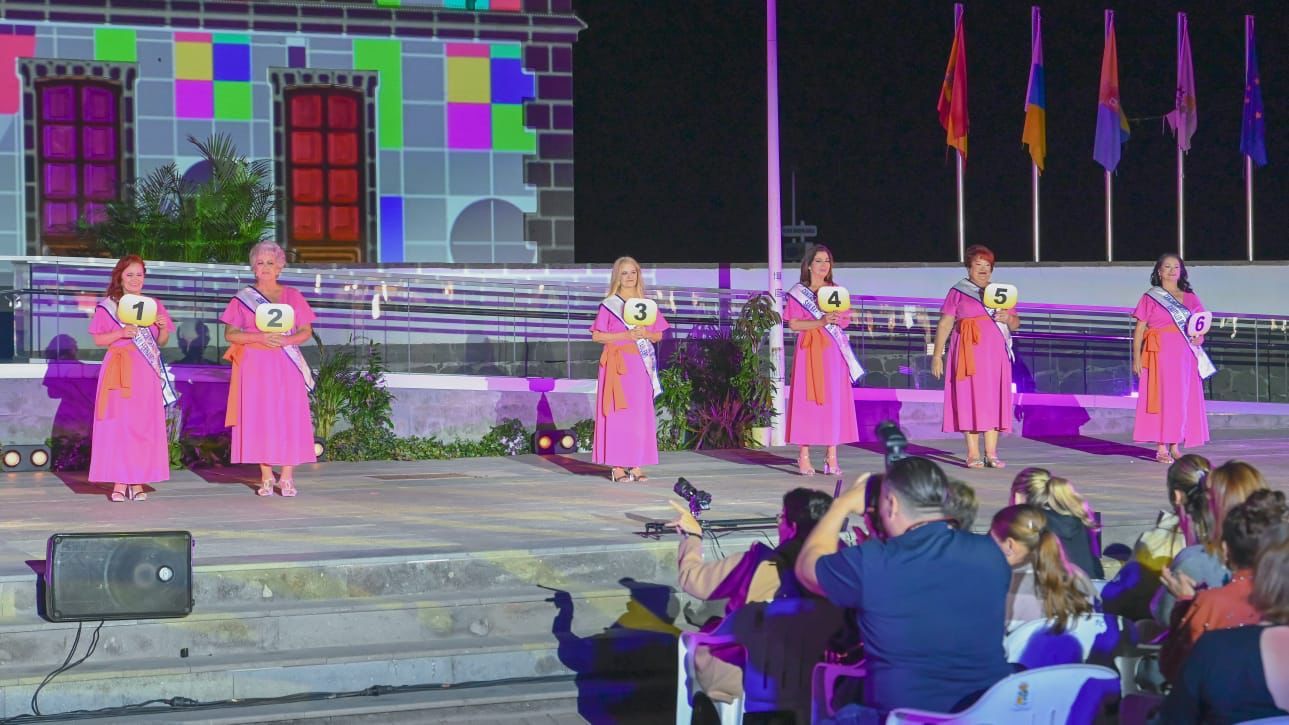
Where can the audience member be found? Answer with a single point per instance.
(1043, 584)
(760, 574)
(1068, 515)
(1128, 594)
(1226, 606)
(961, 506)
(1201, 565)
(930, 599)
(1241, 674)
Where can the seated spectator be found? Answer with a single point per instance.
(1226, 606)
(760, 574)
(930, 599)
(1241, 674)
(1043, 584)
(1128, 594)
(1068, 515)
(961, 505)
(1201, 565)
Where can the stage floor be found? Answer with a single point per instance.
(454, 508)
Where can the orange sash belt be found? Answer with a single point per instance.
(116, 376)
(615, 366)
(1150, 361)
(968, 338)
(814, 342)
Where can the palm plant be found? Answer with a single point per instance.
(165, 216)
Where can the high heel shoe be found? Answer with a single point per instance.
(266, 487)
(804, 467)
(640, 476)
(831, 468)
(994, 462)
(287, 486)
(118, 495)
(136, 493)
(624, 478)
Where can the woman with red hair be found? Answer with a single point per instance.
(978, 388)
(129, 447)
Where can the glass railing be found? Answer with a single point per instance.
(433, 323)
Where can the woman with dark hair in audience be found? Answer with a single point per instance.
(1067, 515)
(978, 387)
(1044, 585)
(821, 406)
(761, 574)
(1128, 594)
(1226, 606)
(1201, 565)
(1169, 364)
(931, 599)
(1242, 674)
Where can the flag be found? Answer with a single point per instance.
(1035, 133)
(1183, 118)
(1253, 130)
(953, 92)
(1112, 124)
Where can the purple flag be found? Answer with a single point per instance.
(1183, 118)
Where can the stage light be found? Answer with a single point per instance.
(548, 442)
(319, 448)
(25, 458)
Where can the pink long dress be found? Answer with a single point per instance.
(1181, 417)
(980, 401)
(831, 421)
(274, 426)
(625, 437)
(129, 443)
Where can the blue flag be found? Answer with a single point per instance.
(1253, 129)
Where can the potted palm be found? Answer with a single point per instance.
(753, 381)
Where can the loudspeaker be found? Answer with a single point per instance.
(140, 575)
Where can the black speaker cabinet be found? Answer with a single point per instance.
(141, 575)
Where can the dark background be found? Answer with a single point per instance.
(670, 99)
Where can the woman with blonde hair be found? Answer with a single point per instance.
(1044, 584)
(1068, 515)
(626, 432)
(1202, 564)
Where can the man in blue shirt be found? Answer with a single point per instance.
(931, 599)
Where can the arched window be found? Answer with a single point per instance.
(78, 155)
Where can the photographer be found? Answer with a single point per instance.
(760, 574)
(931, 598)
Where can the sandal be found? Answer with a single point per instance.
(831, 468)
(266, 487)
(1163, 457)
(117, 495)
(287, 485)
(994, 462)
(637, 476)
(613, 476)
(136, 493)
(975, 463)
(804, 467)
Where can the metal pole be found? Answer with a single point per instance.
(1109, 217)
(1034, 183)
(962, 223)
(1181, 203)
(774, 221)
(1248, 202)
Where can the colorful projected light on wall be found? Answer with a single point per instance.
(487, 87)
(78, 153)
(213, 76)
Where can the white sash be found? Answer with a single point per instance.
(806, 298)
(1181, 315)
(252, 298)
(146, 344)
(969, 288)
(616, 305)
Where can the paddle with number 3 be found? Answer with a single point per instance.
(640, 312)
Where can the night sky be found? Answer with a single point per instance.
(670, 103)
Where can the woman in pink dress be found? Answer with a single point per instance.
(129, 442)
(978, 387)
(1170, 399)
(626, 432)
(821, 406)
(268, 394)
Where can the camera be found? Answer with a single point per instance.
(698, 500)
(889, 433)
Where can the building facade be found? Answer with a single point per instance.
(399, 130)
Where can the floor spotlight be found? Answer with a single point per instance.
(25, 458)
(548, 442)
(319, 448)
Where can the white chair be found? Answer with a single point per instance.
(783, 640)
(1274, 720)
(1072, 694)
(1093, 638)
(823, 686)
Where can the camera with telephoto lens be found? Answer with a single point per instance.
(889, 433)
(698, 500)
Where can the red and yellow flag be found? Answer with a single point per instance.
(953, 92)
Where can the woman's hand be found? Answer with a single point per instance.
(1136, 366)
(272, 339)
(637, 333)
(832, 318)
(937, 366)
(127, 332)
(686, 523)
(1181, 586)
(1197, 340)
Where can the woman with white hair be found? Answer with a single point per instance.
(268, 394)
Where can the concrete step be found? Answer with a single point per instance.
(26, 641)
(619, 657)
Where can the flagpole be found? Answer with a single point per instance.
(774, 220)
(962, 223)
(1034, 184)
(1181, 156)
(1248, 160)
(1109, 217)
(1034, 30)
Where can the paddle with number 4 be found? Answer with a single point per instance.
(833, 299)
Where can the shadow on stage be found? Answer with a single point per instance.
(1059, 422)
(625, 673)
